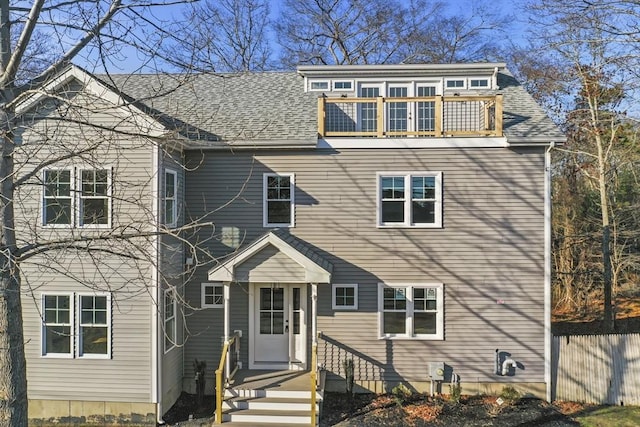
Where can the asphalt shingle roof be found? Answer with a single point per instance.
(271, 107)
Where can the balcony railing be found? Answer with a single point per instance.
(428, 116)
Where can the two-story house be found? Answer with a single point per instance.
(390, 221)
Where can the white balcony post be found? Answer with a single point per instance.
(314, 313)
(225, 296)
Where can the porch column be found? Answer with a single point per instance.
(225, 305)
(314, 313)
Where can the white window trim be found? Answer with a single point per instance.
(75, 319)
(407, 200)
(43, 337)
(292, 188)
(174, 199)
(174, 333)
(486, 79)
(79, 353)
(335, 89)
(203, 287)
(72, 196)
(334, 287)
(312, 89)
(438, 336)
(463, 87)
(109, 197)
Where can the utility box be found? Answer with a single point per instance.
(436, 371)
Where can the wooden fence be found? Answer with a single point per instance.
(601, 369)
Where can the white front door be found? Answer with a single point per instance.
(278, 327)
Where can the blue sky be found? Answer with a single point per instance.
(452, 6)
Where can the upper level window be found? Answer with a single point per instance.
(278, 200)
(57, 200)
(170, 198)
(94, 197)
(411, 311)
(479, 83)
(81, 198)
(455, 83)
(320, 85)
(342, 85)
(410, 199)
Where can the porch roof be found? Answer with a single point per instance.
(316, 268)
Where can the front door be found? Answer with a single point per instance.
(279, 326)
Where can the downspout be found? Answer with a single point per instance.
(547, 271)
(156, 342)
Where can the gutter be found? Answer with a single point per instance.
(548, 338)
(156, 350)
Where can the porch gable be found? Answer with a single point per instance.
(274, 257)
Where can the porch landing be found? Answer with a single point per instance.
(254, 379)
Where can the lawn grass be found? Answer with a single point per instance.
(610, 416)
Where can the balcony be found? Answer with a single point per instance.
(429, 116)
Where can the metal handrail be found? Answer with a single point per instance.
(225, 372)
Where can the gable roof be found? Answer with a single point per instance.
(316, 268)
(262, 109)
(272, 109)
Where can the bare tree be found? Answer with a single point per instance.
(594, 46)
(225, 36)
(47, 125)
(474, 34)
(348, 31)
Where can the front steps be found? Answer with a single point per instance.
(273, 407)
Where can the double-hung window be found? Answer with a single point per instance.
(76, 325)
(94, 338)
(169, 319)
(76, 197)
(411, 311)
(170, 198)
(57, 337)
(278, 200)
(57, 199)
(410, 199)
(94, 197)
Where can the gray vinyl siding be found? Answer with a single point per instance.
(126, 376)
(488, 254)
(171, 273)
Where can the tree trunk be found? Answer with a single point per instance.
(606, 259)
(13, 380)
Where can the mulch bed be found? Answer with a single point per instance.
(187, 405)
(420, 410)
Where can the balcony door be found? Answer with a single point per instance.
(399, 114)
(368, 111)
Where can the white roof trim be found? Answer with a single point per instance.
(148, 125)
(225, 272)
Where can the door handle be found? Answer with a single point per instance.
(286, 325)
